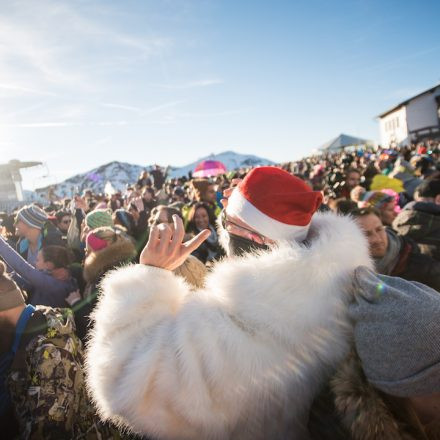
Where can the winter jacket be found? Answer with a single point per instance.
(46, 382)
(210, 250)
(42, 287)
(50, 235)
(350, 408)
(412, 265)
(420, 221)
(96, 265)
(241, 358)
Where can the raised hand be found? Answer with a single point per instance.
(138, 203)
(80, 203)
(227, 192)
(165, 248)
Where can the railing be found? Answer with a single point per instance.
(425, 132)
(10, 205)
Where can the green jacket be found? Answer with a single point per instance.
(46, 381)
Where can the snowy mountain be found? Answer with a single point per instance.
(121, 173)
(231, 160)
(118, 173)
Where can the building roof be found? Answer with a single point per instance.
(343, 140)
(406, 102)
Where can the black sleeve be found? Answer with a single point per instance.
(79, 215)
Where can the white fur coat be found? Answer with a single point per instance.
(241, 359)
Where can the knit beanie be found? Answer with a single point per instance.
(396, 331)
(32, 216)
(99, 218)
(124, 218)
(10, 294)
(374, 199)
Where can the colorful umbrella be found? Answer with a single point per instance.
(209, 168)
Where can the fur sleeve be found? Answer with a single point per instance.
(177, 365)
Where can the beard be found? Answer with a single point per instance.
(7, 333)
(235, 245)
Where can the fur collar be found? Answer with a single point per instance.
(99, 262)
(367, 413)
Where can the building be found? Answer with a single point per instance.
(412, 120)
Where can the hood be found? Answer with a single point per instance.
(420, 221)
(99, 262)
(427, 207)
(363, 409)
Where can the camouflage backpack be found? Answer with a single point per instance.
(46, 382)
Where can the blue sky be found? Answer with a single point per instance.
(167, 81)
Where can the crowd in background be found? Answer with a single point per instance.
(56, 256)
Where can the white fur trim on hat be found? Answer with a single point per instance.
(262, 223)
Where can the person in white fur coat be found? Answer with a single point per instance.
(244, 357)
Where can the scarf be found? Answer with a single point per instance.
(23, 245)
(387, 263)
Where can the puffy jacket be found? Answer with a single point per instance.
(420, 221)
(44, 289)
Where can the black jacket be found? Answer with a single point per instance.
(412, 265)
(420, 221)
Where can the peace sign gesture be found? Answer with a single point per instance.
(165, 248)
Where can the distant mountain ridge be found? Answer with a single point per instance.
(230, 159)
(122, 173)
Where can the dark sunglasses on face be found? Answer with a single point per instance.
(230, 226)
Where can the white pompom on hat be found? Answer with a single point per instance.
(274, 203)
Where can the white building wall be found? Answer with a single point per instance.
(393, 128)
(422, 112)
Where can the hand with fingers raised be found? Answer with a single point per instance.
(165, 248)
(227, 192)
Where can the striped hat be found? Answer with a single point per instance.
(99, 218)
(32, 216)
(375, 199)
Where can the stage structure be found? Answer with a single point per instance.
(10, 180)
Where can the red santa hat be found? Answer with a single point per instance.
(274, 203)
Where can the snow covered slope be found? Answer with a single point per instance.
(231, 160)
(120, 173)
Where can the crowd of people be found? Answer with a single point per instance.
(95, 272)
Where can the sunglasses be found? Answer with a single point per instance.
(236, 229)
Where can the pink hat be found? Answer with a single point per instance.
(95, 243)
(274, 203)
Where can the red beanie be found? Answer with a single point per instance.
(274, 203)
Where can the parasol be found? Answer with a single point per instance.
(209, 168)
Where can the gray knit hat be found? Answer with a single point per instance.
(397, 333)
(32, 215)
